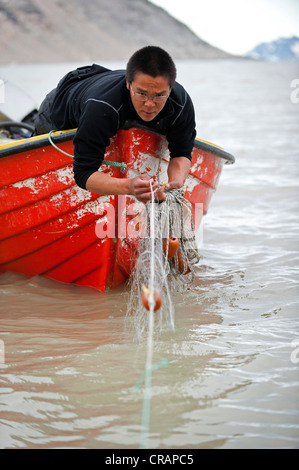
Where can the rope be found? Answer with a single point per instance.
(146, 412)
(122, 165)
(157, 272)
(163, 363)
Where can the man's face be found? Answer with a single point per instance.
(148, 95)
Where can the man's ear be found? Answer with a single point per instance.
(128, 85)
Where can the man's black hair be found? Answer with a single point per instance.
(153, 61)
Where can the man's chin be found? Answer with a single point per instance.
(147, 116)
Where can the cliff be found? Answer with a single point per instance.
(43, 31)
(282, 49)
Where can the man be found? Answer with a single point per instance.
(98, 101)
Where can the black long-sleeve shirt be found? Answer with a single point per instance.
(99, 105)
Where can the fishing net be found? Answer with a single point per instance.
(167, 254)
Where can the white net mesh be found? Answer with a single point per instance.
(166, 229)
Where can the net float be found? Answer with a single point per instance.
(145, 298)
(173, 246)
(183, 268)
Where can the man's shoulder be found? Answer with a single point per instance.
(179, 95)
(110, 73)
(107, 86)
(108, 80)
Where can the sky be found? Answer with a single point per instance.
(236, 26)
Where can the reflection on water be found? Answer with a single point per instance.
(232, 377)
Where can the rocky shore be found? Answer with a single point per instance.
(47, 31)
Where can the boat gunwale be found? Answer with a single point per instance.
(64, 136)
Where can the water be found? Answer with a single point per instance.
(232, 379)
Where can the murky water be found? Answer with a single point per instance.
(231, 376)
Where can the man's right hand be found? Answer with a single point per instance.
(140, 187)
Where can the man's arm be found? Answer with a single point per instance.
(101, 183)
(178, 170)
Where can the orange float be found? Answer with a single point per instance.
(183, 269)
(173, 246)
(145, 299)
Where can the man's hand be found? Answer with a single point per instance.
(141, 188)
(178, 170)
(160, 193)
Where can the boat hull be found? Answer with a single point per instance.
(53, 228)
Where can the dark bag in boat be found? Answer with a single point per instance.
(61, 99)
(80, 74)
(52, 108)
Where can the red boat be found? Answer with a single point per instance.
(51, 227)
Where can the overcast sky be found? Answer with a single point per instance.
(236, 26)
